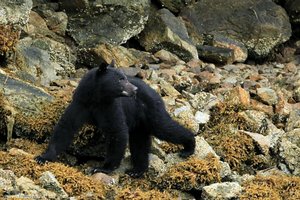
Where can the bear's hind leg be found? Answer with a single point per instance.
(165, 128)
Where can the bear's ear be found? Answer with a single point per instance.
(112, 64)
(103, 67)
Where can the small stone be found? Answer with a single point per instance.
(167, 56)
(202, 117)
(221, 191)
(49, 182)
(103, 178)
(238, 96)
(267, 95)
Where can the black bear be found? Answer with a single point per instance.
(125, 108)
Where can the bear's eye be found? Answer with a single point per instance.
(122, 79)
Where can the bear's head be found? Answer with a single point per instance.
(115, 81)
(104, 83)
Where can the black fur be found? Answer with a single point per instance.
(99, 99)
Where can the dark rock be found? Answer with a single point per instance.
(260, 25)
(293, 9)
(112, 22)
(215, 54)
(240, 52)
(175, 5)
(165, 31)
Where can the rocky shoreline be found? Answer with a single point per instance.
(227, 70)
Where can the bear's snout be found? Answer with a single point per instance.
(129, 89)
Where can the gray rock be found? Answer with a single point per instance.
(107, 21)
(15, 12)
(260, 25)
(50, 183)
(56, 21)
(288, 150)
(221, 191)
(165, 31)
(293, 120)
(23, 96)
(203, 148)
(44, 59)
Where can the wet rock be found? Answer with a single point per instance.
(240, 52)
(112, 22)
(267, 95)
(220, 191)
(15, 12)
(288, 150)
(50, 183)
(165, 31)
(260, 28)
(215, 54)
(29, 189)
(124, 57)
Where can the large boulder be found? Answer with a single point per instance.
(107, 21)
(165, 31)
(260, 24)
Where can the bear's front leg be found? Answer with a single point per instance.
(73, 118)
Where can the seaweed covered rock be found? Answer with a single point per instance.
(74, 182)
(191, 174)
(271, 187)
